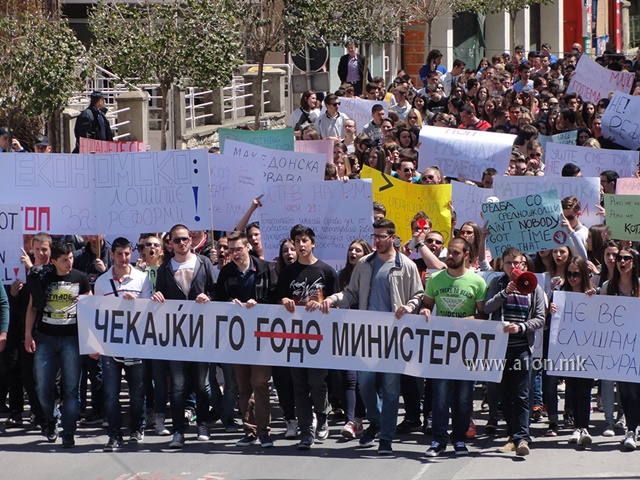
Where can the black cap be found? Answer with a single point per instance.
(96, 95)
(41, 141)
(4, 131)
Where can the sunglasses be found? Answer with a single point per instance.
(409, 170)
(571, 217)
(535, 154)
(179, 240)
(433, 240)
(623, 258)
(335, 104)
(412, 118)
(424, 178)
(152, 244)
(574, 274)
(139, 246)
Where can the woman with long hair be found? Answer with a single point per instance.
(473, 234)
(343, 167)
(625, 283)
(413, 118)
(374, 158)
(588, 113)
(404, 138)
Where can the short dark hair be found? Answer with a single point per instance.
(458, 63)
(178, 226)
(387, 224)
(379, 207)
(570, 170)
(301, 230)
(376, 108)
(250, 226)
(511, 252)
(59, 249)
(120, 242)
(237, 235)
(610, 175)
(330, 98)
(524, 66)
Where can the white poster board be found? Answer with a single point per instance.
(621, 120)
(592, 161)
(594, 82)
(467, 200)
(11, 242)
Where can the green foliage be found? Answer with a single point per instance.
(168, 42)
(307, 21)
(496, 6)
(38, 65)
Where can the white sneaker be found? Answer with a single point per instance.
(292, 429)
(585, 439)
(629, 440)
(160, 428)
(608, 430)
(575, 436)
(203, 433)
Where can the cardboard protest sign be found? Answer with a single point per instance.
(594, 82)
(564, 138)
(89, 145)
(623, 216)
(592, 161)
(325, 147)
(403, 200)
(621, 120)
(452, 348)
(466, 200)
(279, 139)
(359, 110)
(116, 193)
(464, 153)
(531, 223)
(280, 165)
(628, 186)
(595, 337)
(11, 241)
(337, 211)
(585, 189)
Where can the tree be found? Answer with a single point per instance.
(178, 42)
(39, 59)
(428, 10)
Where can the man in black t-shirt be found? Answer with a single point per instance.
(52, 309)
(304, 280)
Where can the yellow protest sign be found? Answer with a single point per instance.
(403, 200)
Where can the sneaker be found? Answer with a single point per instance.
(491, 426)
(112, 445)
(427, 426)
(231, 425)
(338, 413)
(569, 422)
(585, 439)
(94, 418)
(160, 427)
(189, 415)
(629, 440)
(137, 436)
(408, 426)
(51, 431)
(306, 442)
(323, 432)
(552, 431)
(14, 420)
(292, 429)
(435, 449)
(177, 441)
(246, 441)
(608, 430)
(620, 423)
(522, 450)
(460, 449)
(384, 448)
(536, 413)
(68, 441)
(369, 435)
(471, 432)
(265, 441)
(358, 427)
(575, 436)
(349, 431)
(203, 433)
(561, 386)
(507, 447)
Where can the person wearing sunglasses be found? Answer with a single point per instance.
(431, 176)
(187, 276)
(330, 124)
(534, 155)
(572, 211)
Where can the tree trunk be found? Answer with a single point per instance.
(258, 100)
(512, 17)
(427, 36)
(365, 70)
(53, 129)
(164, 115)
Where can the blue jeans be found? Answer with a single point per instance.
(457, 394)
(53, 352)
(112, 380)
(382, 409)
(187, 376)
(516, 380)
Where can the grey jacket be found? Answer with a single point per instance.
(404, 282)
(496, 296)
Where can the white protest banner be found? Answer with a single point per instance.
(592, 161)
(268, 335)
(281, 165)
(531, 223)
(595, 337)
(11, 241)
(89, 145)
(628, 186)
(585, 189)
(277, 139)
(621, 120)
(325, 147)
(564, 138)
(109, 193)
(359, 110)
(464, 153)
(466, 201)
(594, 82)
(338, 213)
